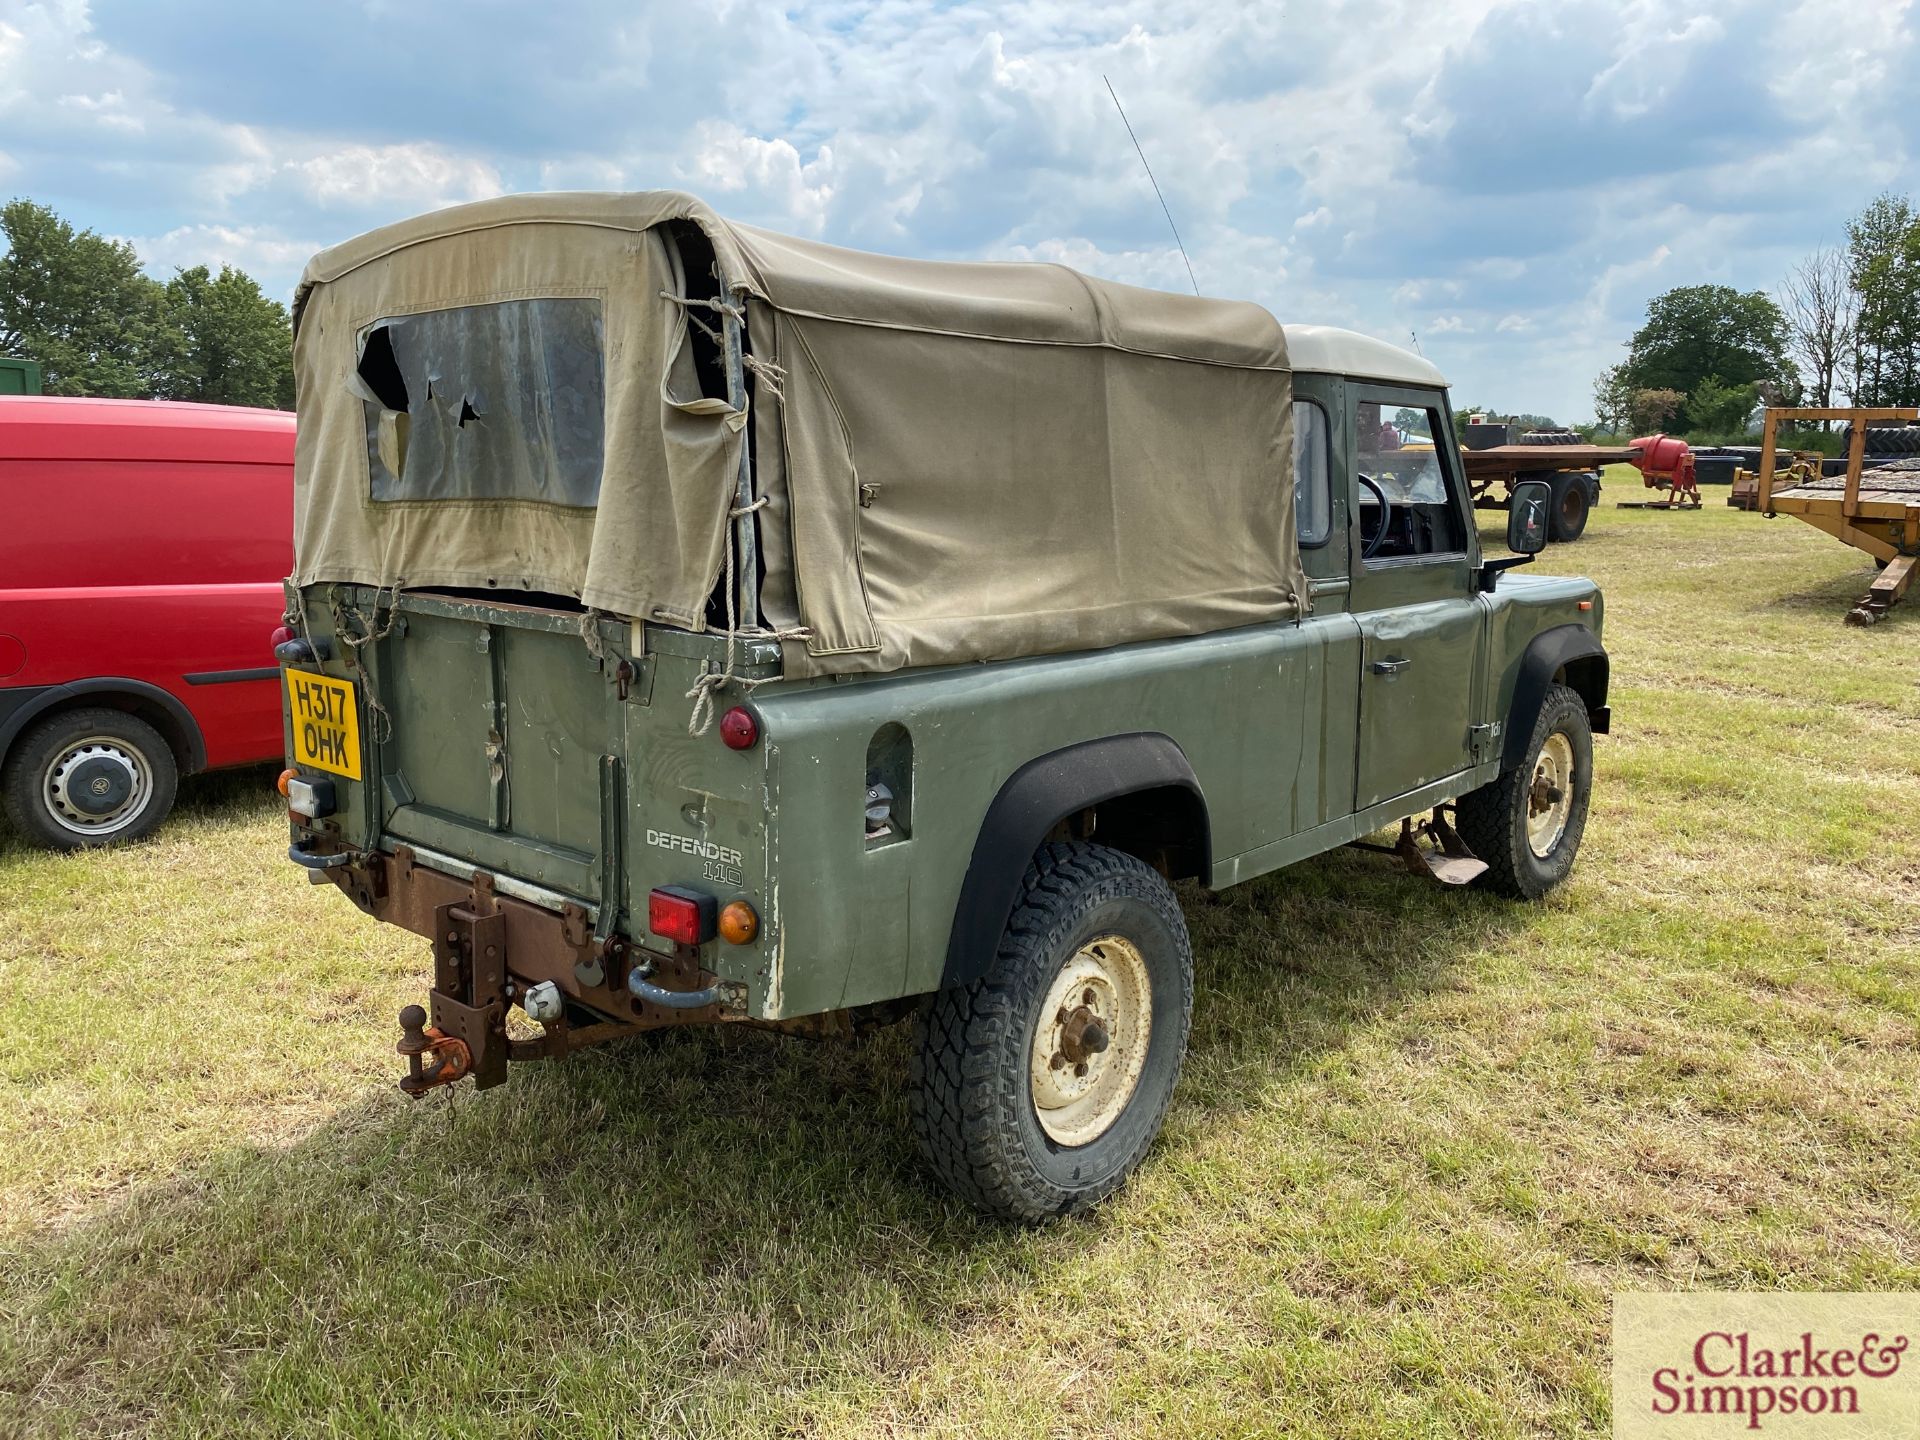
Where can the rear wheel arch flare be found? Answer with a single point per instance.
(1147, 801)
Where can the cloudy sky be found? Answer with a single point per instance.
(1510, 181)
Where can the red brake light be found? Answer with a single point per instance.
(281, 635)
(682, 915)
(738, 728)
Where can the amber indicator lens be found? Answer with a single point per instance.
(738, 923)
(738, 728)
(286, 778)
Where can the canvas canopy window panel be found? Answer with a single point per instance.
(960, 461)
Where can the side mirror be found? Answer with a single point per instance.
(1527, 517)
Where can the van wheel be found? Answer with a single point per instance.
(1527, 824)
(89, 777)
(1038, 1088)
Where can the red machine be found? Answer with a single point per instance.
(142, 545)
(1666, 463)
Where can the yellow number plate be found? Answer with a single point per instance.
(326, 723)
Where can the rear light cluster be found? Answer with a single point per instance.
(688, 917)
(311, 798)
(290, 649)
(681, 915)
(738, 923)
(314, 799)
(738, 728)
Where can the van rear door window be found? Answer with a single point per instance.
(505, 401)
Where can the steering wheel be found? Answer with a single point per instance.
(1369, 547)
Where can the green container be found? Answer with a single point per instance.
(19, 377)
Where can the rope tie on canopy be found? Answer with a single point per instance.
(773, 376)
(370, 632)
(713, 681)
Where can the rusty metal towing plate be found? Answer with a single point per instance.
(469, 986)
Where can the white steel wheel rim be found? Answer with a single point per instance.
(1550, 796)
(63, 802)
(1080, 1091)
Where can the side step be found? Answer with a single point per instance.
(1445, 857)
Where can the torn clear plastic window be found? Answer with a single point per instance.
(505, 401)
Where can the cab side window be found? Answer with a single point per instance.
(1312, 477)
(1395, 450)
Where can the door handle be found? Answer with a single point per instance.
(1390, 667)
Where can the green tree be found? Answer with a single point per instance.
(1883, 266)
(79, 304)
(1718, 408)
(231, 345)
(1701, 330)
(1612, 400)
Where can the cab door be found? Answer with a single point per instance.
(1414, 555)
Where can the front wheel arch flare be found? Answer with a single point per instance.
(1574, 655)
(1046, 791)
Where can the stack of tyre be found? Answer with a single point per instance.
(1891, 442)
(1884, 445)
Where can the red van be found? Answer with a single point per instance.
(142, 545)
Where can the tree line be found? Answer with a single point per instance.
(1843, 328)
(80, 305)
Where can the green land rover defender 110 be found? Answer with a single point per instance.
(693, 625)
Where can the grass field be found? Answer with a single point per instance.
(1423, 1135)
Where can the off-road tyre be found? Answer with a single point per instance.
(1493, 820)
(971, 1093)
(1886, 440)
(1572, 503)
(25, 781)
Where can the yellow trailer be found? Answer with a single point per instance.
(1878, 512)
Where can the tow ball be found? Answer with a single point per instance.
(433, 1057)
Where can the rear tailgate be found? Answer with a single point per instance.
(500, 745)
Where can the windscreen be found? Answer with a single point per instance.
(504, 401)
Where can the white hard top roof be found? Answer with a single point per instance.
(1326, 350)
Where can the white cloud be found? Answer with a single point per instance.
(726, 160)
(426, 175)
(245, 247)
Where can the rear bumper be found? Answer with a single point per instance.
(493, 941)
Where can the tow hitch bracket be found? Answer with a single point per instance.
(468, 1035)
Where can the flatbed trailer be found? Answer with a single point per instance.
(1508, 462)
(1573, 472)
(1881, 517)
